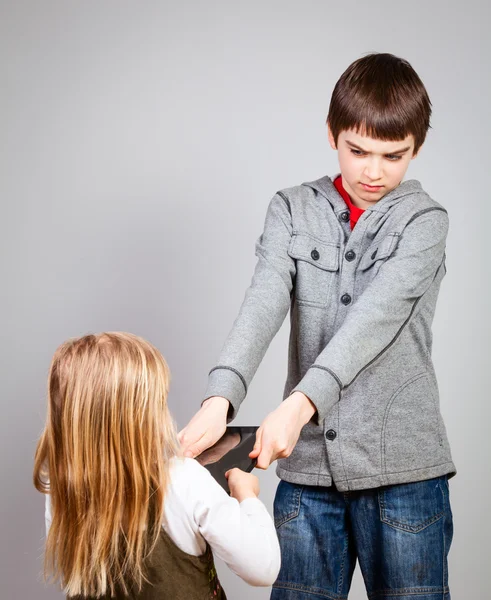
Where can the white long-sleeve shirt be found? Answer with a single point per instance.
(197, 510)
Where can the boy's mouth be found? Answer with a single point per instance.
(371, 188)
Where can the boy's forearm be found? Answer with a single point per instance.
(265, 306)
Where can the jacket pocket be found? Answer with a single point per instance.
(287, 502)
(415, 506)
(411, 428)
(317, 264)
(378, 252)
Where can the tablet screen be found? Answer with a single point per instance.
(231, 450)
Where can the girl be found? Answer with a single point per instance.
(126, 515)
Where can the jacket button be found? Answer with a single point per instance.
(331, 434)
(315, 254)
(346, 299)
(344, 216)
(350, 255)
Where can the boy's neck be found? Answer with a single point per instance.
(354, 211)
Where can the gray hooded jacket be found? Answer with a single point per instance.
(362, 304)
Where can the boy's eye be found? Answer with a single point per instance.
(392, 157)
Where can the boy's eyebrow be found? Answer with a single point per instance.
(400, 151)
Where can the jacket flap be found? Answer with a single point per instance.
(379, 250)
(320, 254)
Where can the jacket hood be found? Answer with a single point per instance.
(325, 187)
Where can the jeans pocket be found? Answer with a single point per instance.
(286, 502)
(414, 506)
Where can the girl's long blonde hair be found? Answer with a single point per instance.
(104, 460)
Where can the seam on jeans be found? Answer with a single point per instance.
(444, 545)
(239, 375)
(297, 497)
(405, 526)
(386, 417)
(279, 585)
(345, 553)
(443, 557)
(380, 594)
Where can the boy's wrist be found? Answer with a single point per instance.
(218, 401)
(305, 406)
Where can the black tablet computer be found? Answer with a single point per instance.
(231, 450)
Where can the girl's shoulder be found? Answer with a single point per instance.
(189, 479)
(182, 467)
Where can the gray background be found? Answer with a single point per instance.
(140, 144)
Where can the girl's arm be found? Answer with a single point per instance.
(242, 534)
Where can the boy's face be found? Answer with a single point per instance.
(371, 168)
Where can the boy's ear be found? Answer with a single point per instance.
(330, 136)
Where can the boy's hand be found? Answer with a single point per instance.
(205, 428)
(280, 430)
(242, 485)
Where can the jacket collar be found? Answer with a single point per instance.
(327, 189)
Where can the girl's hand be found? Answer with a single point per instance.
(242, 485)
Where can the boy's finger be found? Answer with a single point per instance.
(264, 458)
(184, 438)
(197, 448)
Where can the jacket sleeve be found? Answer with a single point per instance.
(263, 310)
(380, 314)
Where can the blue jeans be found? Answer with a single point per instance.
(400, 534)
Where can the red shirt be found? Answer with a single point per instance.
(354, 212)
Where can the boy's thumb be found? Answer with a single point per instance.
(264, 458)
(192, 451)
(256, 451)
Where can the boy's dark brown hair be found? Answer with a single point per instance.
(382, 96)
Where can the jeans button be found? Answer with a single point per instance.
(315, 254)
(344, 216)
(346, 299)
(350, 255)
(331, 435)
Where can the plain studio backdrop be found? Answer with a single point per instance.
(140, 144)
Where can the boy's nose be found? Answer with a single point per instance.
(373, 171)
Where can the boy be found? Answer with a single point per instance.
(358, 259)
